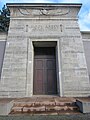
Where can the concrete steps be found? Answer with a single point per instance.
(45, 106)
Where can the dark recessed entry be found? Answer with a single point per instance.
(45, 81)
(44, 43)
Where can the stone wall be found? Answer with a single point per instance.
(86, 43)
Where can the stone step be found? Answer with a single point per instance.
(46, 112)
(59, 108)
(43, 109)
(44, 106)
(29, 104)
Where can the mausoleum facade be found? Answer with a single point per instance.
(44, 52)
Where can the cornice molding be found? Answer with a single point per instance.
(43, 5)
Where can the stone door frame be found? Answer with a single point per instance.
(30, 65)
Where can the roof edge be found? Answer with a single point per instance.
(43, 4)
(85, 32)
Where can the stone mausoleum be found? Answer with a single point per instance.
(44, 52)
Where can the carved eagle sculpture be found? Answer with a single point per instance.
(43, 11)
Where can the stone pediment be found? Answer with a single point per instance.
(20, 10)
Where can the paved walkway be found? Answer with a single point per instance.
(57, 117)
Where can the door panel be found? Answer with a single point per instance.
(51, 76)
(45, 73)
(38, 63)
(38, 76)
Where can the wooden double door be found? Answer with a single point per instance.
(45, 81)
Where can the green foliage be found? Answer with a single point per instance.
(4, 19)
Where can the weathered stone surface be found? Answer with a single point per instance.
(84, 105)
(34, 109)
(5, 107)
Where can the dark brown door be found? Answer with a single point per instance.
(45, 81)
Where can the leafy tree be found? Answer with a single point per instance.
(4, 19)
